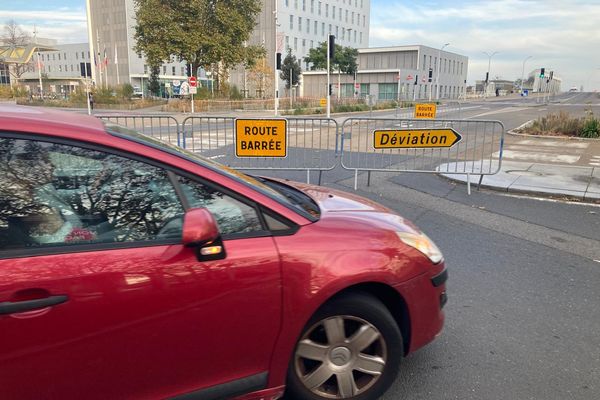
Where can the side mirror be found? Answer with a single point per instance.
(200, 230)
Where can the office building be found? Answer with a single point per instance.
(392, 73)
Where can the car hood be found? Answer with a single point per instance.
(331, 200)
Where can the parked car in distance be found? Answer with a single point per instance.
(131, 269)
(137, 92)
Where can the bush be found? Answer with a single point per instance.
(590, 128)
(125, 91)
(563, 124)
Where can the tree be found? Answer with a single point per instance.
(344, 59)
(154, 84)
(13, 37)
(290, 64)
(261, 77)
(206, 33)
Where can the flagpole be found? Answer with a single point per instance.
(90, 38)
(97, 59)
(39, 65)
(117, 64)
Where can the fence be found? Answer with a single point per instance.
(472, 155)
(318, 144)
(312, 144)
(162, 127)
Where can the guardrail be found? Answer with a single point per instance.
(472, 155)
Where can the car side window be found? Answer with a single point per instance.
(232, 215)
(56, 195)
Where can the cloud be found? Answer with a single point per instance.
(66, 25)
(561, 35)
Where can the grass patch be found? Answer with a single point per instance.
(562, 124)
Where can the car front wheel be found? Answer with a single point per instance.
(350, 349)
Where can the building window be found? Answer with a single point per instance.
(49, 68)
(65, 56)
(58, 56)
(295, 43)
(72, 68)
(352, 19)
(360, 35)
(346, 16)
(291, 22)
(326, 10)
(300, 24)
(183, 71)
(337, 32)
(53, 57)
(164, 69)
(319, 9)
(388, 91)
(76, 55)
(364, 21)
(323, 28)
(307, 25)
(312, 44)
(343, 33)
(287, 42)
(146, 69)
(60, 68)
(296, 4)
(287, 3)
(333, 12)
(303, 45)
(316, 30)
(173, 70)
(357, 19)
(303, 5)
(312, 6)
(354, 36)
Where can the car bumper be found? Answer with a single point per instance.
(425, 297)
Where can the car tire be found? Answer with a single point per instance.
(350, 349)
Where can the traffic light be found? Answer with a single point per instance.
(542, 71)
(331, 46)
(487, 77)
(279, 61)
(430, 74)
(188, 70)
(330, 89)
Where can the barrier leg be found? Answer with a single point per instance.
(355, 179)
(368, 178)
(320, 175)
(308, 176)
(468, 184)
(479, 184)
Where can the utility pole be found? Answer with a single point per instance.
(439, 65)
(488, 71)
(275, 66)
(330, 43)
(523, 73)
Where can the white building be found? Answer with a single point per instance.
(111, 29)
(62, 70)
(302, 25)
(550, 83)
(400, 72)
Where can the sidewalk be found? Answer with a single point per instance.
(549, 166)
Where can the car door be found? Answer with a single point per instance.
(99, 299)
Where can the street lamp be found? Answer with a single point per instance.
(523, 73)
(488, 70)
(437, 79)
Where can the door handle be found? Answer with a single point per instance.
(9, 307)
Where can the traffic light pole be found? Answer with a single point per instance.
(275, 66)
(328, 82)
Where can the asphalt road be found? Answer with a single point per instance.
(523, 318)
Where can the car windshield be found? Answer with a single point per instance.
(300, 201)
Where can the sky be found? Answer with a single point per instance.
(559, 35)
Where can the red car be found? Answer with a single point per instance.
(130, 269)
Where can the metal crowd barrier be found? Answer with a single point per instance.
(312, 144)
(162, 127)
(472, 155)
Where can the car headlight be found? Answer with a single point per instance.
(421, 242)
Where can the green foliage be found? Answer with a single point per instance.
(344, 59)
(125, 91)
(205, 33)
(154, 84)
(562, 124)
(290, 63)
(590, 127)
(234, 93)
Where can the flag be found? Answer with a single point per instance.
(105, 60)
(40, 64)
(96, 59)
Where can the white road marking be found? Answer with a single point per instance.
(501, 111)
(553, 143)
(538, 157)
